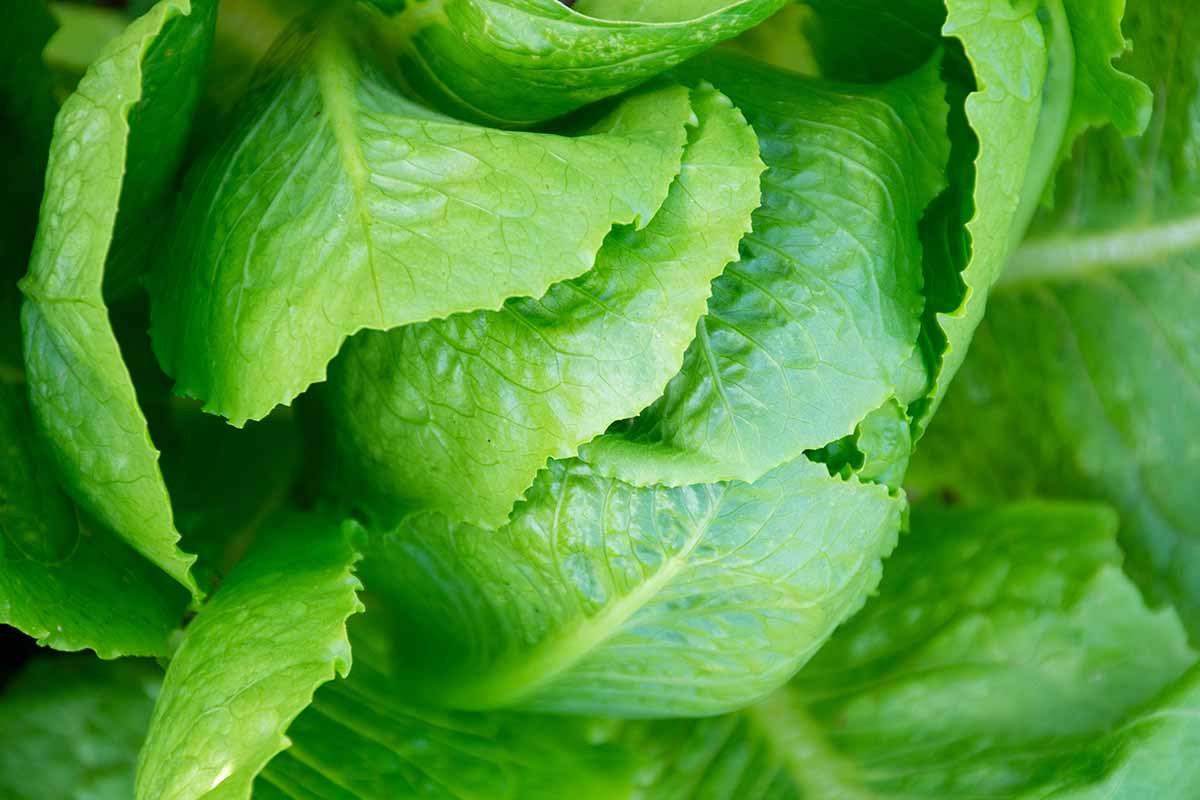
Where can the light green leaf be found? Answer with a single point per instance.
(403, 216)
(484, 399)
(126, 115)
(1011, 60)
(600, 597)
(514, 63)
(250, 662)
(71, 728)
(1086, 383)
(817, 325)
(27, 109)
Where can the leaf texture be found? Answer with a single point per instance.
(337, 204)
(601, 597)
(484, 399)
(514, 63)
(250, 662)
(817, 325)
(125, 115)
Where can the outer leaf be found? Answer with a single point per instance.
(250, 662)
(27, 109)
(1149, 755)
(817, 325)
(599, 597)
(1103, 94)
(484, 399)
(338, 205)
(1023, 129)
(514, 63)
(1006, 656)
(71, 728)
(127, 114)
(357, 740)
(67, 583)
(1097, 314)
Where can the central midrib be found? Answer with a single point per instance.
(336, 78)
(514, 679)
(801, 744)
(1065, 257)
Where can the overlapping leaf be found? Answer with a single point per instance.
(817, 325)
(1084, 383)
(338, 204)
(116, 142)
(519, 62)
(250, 662)
(484, 399)
(601, 597)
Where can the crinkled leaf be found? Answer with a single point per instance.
(601, 597)
(518, 62)
(337, 204)
(71, 728)
(1062, 51)
(1087, 382)
(484, 399)
(250, 662)
(817, 325)
(115, 144)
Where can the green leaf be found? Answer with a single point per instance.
(357, 740)
(600, 597)
(484, 399)
(817, 325)
(870, 41)
(514, 63)
(1086, 382)
(408, 216)
(250, 662)
(1149, 755)
(1005, 656)
(72, 726)
(82, 35)
(127, 114)
(27, 108)
(1103, 94)
(1000, 40)
(1021, 131)
(65, 581)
